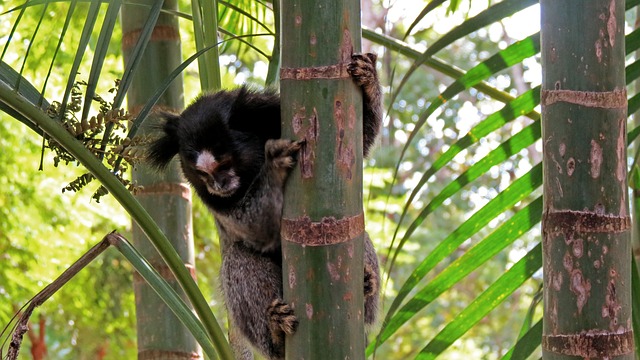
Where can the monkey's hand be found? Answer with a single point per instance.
(363, 69)
(371, 286)
(281, 155)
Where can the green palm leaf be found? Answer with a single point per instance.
(516, 192)
(14, 100)
(504, 235)
(527, 344)
(427, 9)
(504, 59)
(525, 104)
(492, 14)
(502, 288)
(102, 46)
(522, 105)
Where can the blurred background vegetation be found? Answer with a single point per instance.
(451, 192)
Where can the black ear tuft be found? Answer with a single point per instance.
(256, 112)
(164, 148)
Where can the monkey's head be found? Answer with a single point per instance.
(220, 140)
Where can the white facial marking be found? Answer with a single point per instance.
(206, 162)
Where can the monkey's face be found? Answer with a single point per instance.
(220, 140)
(217, 174)
(216, 160)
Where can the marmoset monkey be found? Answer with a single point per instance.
(230, 151)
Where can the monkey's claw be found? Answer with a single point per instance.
(363, 69)
(281, 317)
(370, 281)
(283, 152)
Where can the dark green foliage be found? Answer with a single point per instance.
(91, 132)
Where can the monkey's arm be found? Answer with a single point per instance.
(364, 73)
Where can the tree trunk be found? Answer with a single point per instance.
(586, 223)
(322, 227)
(634, 177)
(165, 196)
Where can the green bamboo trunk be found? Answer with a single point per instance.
(586, 223)
(634, 178)
(322, 226)
(165, 196)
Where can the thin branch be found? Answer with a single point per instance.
(22, 325)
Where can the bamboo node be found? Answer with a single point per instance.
(328, 231)
(336, 71)
(616, 99)
(584, 222)
(590, 344)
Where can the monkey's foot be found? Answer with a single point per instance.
(363, 69)
(281, 317)
(370, 281)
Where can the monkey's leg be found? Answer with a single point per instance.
(252, 284)
(371, 282)
(364, 74)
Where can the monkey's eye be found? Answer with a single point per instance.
(191, 155)
(224, 165)
(202, 173)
